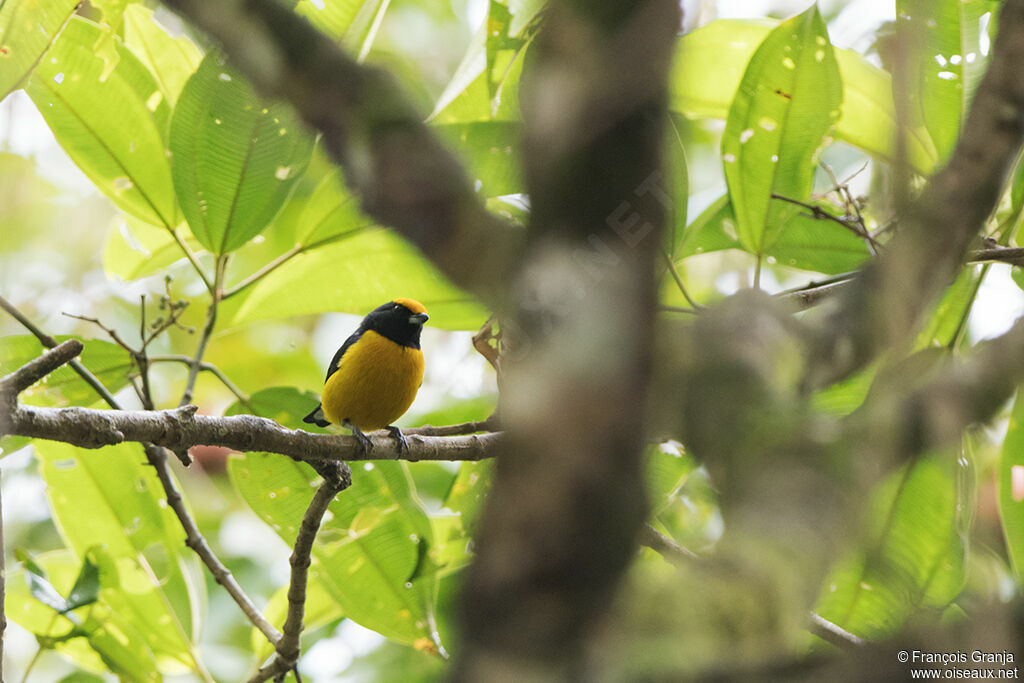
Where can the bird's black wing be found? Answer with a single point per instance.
(317, 416)
(336, 361)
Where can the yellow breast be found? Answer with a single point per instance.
(375, 383)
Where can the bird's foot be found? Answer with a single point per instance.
(403, 445)
(364, 441)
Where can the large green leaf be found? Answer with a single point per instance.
(111, 122)
(1011, 488)
(172, 60)
(490, 152)
(103, 640)
(806, 242)
(369, 551)
(27, 29)
(485, 86)
(913, 557)
(355, 275)
(158, 591)
(108, 361)
(786, 103)
(948, 60)
(711, 62)
(235, 157)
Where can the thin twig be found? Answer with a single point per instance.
(183, 245)
(833, 633)
(288, 256)
(195, 540)
(488, 425)
(204, 338)
(38, 368)
(821, 214)
(264, 271)
(205, 366)
(679, 283)
(287, 648)
(666, 547)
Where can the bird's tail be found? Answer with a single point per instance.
(317, 417)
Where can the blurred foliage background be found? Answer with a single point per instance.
(70, 249)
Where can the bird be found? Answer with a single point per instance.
(375, 375)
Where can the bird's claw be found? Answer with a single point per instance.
(403, 444)
(365, 443)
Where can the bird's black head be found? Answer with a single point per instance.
(400, 320)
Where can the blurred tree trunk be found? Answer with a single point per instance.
(562, 520)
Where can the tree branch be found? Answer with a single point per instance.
(287, 648)
(402, 173)
(179, 429)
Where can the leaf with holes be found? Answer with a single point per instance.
(143, 539)
(172, 60)
(124, 154)
(236, 157)
(785, 105)
(949, 63)
(27, 29)
(711, 61)
(96, 636)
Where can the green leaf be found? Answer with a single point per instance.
(469, 491)
(818, 244)
(668, 469)
(351, 22)
(785, 105)
(108, 361)
(355, 275)
(171, 60)
(236, 157)
(39, 587)
(490, 152)
(1011, 488)
(123, 154)
(331, 213)
(678, 187)
(156, 590)
(104, 641)
(805, 242)
(913, 557)
(711, 61)
(948, 60)
(136, 249)
(484, 88)
(713, 230)
(27, 30)
(86, 589)
(369, 552)
(950, 314)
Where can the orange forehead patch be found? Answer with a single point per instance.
(412, 305)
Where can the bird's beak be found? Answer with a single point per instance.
(418, 319)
